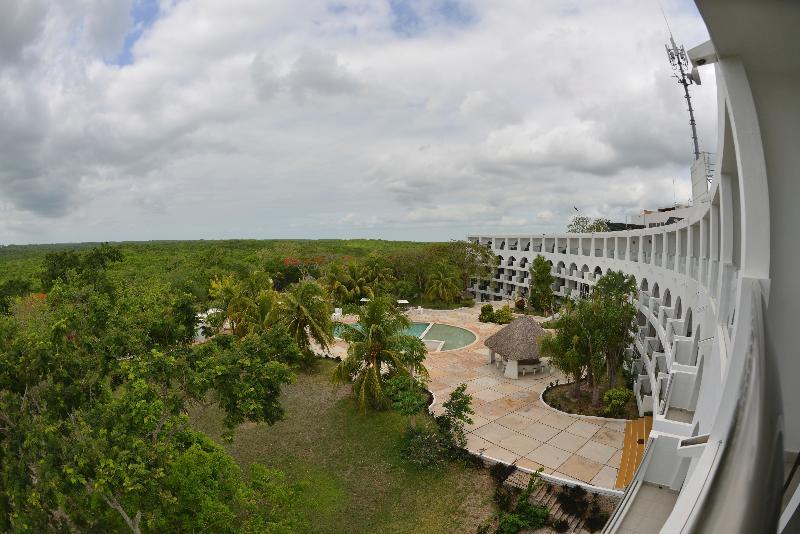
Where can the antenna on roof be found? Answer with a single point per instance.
(685, 76)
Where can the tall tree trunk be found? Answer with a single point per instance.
(576, 387)
(595, 394)
(612, 373)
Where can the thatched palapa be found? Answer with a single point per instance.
(517, 341)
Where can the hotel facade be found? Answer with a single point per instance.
(716, 360)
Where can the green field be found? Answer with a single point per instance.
(355, 480)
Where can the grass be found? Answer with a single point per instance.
(355, 479)
(561, 398)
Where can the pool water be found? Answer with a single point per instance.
(453, 336)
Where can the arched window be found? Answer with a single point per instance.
(656, 291)
(678, 309)
(644, 285)
(667, 298)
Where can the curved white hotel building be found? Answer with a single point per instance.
(717, 362)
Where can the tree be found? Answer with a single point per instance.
(581, 224)
(443, 283)
(471, 260)
(541, 285)
(613, 293)
(95, 387)
(456, 415)
(306, 312)
(408, 395)
(378, 339)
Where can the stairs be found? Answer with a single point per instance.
(636, 434)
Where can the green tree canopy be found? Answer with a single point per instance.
(581, 224)
(541, 285)
(378, 342)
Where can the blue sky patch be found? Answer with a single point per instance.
(144, 13)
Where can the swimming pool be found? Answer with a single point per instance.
(449, 337)
(454, 337)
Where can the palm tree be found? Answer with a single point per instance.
(378, 343)
(443, 284)
(306, 312)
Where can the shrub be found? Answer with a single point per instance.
(520, 304)
(503, 315)
(615, 400)
(500, 472)
(504, 497)
(511, 524)
(457, 411)
(596, 521)
(467, 303)
(572, 500)
(424, 447)
(562, 525)
(487, 314)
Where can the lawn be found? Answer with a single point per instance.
(356, 480)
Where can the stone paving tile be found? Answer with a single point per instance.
(615, 460)
(605, 478)
(618, 426)
(557, 420)
(539, 431)
(509, 404)
(580, 468)
(477, 422)
(527, 463)
(533, 412)
(493, 432)
(524, 396)
(488, 395)
(499, 453)
(583, 428)
(514, 421)
(596, 451)
(477, 443)
(506, 387)
(549, 456)
(485, 382)
(568, 442)
(519, 443)
(609, 437)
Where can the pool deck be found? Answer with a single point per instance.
(511, 424)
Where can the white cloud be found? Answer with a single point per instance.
(354, 118)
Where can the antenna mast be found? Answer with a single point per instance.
(680, 64)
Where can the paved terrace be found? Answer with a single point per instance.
(510, 423)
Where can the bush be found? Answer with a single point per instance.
(487, 314)
(520, 304)
(615, 400)
(572, 500)
(424, 447)
(500, 472)
(511, 524)
(596, 521)
(504, 497)
(503, 315)
(467, 303)
(562, 525)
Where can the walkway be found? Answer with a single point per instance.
(636, 434)
(510, 423)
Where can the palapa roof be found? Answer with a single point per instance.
(517, 341)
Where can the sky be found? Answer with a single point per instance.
(394, 119)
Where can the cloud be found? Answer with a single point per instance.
(406, 119)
